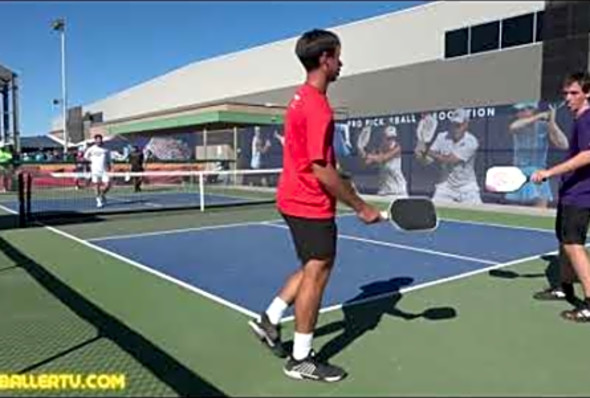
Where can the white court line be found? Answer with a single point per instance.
(152, 271)
(127, 198)
(482, 223)
(120, 199)
(131, 202)
(252, 314)
(190, 229)
(428, 284)
(178, 231)
(9, 210)
(403, 247)
(153, 204)
(485, 224)
(145, 268)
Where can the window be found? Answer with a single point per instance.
(539, 32)
(456, 43)
(517, 30)
(484, 37)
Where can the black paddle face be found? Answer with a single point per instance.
(414, 214)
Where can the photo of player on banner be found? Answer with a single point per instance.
(388, 157)
(454, 150)
(342, 144)
(260, 147)
(371, 151)
(165, 147)
(533, 132)
(444, 154)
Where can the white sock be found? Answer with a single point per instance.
(276, 309)
(301, 345)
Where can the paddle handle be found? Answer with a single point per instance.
(528, 179)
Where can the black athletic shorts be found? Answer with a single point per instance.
(313, 238)
(571, 224)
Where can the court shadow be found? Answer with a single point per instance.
(169, 371)
(9, 221)
(65, 219)
(363, 314)
(551, 273)
(8, 268)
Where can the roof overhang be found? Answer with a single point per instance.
(211, 117)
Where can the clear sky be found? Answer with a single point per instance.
(111, 46)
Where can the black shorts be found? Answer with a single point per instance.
(571, 224)
(313, 238)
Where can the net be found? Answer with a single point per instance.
(65, 194)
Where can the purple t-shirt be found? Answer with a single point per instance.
(575, 186)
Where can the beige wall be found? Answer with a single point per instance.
(493, 78)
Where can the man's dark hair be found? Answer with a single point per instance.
(582, 78)
(312, 44)
(98, 135)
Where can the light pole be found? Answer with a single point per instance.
(59, 25)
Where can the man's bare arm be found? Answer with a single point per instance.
(520, 123)
(330, 178)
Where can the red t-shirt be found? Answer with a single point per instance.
(309, 130)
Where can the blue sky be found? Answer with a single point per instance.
(111, 46)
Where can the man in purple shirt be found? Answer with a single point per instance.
(573, 209)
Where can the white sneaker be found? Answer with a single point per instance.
(98, 202)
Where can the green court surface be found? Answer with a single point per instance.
(68, 308)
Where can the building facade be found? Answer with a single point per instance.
(487, 57)
(434, 56)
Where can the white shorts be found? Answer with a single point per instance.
(102, 176)
(392, 182)
(467, 194)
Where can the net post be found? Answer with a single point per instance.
(28, 188)
(205, 145)
(201, 191)
(235, 168)
(21, 200)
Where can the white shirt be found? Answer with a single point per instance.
(256, 160)
(391, 178)
(462, 173)
(395, 163)
(99, 158)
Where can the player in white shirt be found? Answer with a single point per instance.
(455, 151)
(388, 156)
(100, 164)
(260, 147)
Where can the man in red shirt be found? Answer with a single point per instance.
(308, 189)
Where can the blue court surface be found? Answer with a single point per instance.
(245, 264)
